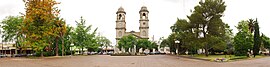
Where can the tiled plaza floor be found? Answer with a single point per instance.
(127, 61)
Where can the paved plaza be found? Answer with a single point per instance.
(127, 61)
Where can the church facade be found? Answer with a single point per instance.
(121, 25)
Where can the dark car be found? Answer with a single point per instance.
(20, 55)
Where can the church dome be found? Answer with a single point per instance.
(144, 8)
(121, 10)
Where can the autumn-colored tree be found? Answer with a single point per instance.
(39, 23)
(59, 30)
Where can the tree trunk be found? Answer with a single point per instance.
(20, 50)
(50, 44)
(206, 52)
(82, 51)
(56, 47)
(268, 51)
(63, 51)
(106, 49)
(41, 54)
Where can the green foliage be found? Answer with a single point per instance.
(103, 42)
(257, 39)
(142, 43)
(83, 38)
(127, 42)
(205, 29)
(265, 42)
(243, 40)
(12, 30)
(206, 21)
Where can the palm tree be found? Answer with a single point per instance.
(251, 25)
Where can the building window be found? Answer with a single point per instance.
(119, 33)
(120, 17)
(144, 16)
(144, 33)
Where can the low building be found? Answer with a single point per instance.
(8, 49)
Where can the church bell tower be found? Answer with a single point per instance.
(144, 25)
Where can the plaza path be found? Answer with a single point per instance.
(126, 61)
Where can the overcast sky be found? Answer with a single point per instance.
(162, 13)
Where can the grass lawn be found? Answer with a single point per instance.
(224, 57)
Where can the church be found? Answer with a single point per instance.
(121, 25)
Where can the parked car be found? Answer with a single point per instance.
(33, 54)
(110, 53)
(91, 53)
(146, 53)
(20, 55)
(3, 55)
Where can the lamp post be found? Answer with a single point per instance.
(177, 45)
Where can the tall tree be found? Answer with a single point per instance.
(243, 40)
(39, 22)
(82, 36)
(186, 35)
(257, 39)
(67, 39)
(12, 31)
(251, 25)
(59, 29)
(206, 20)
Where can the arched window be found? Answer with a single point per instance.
(120, 17)
(144, 16)
(144, 33)
(119, 33)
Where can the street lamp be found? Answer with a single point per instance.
(176, 43)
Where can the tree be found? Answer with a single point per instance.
(228, 39)
(153, 46)
(39, 23)
(127, 42)
(206, 21)
(82, 37)
(68, 39)
(257, 39)
(243, 40)
(164, 43)
(251, 25)
(142, 44)
(59, 29)
(104, 42)
(187, 36)
(12, 31)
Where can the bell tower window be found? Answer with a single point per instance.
(119, 33)
(120, 17)
(144, 16)
(144, 33)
